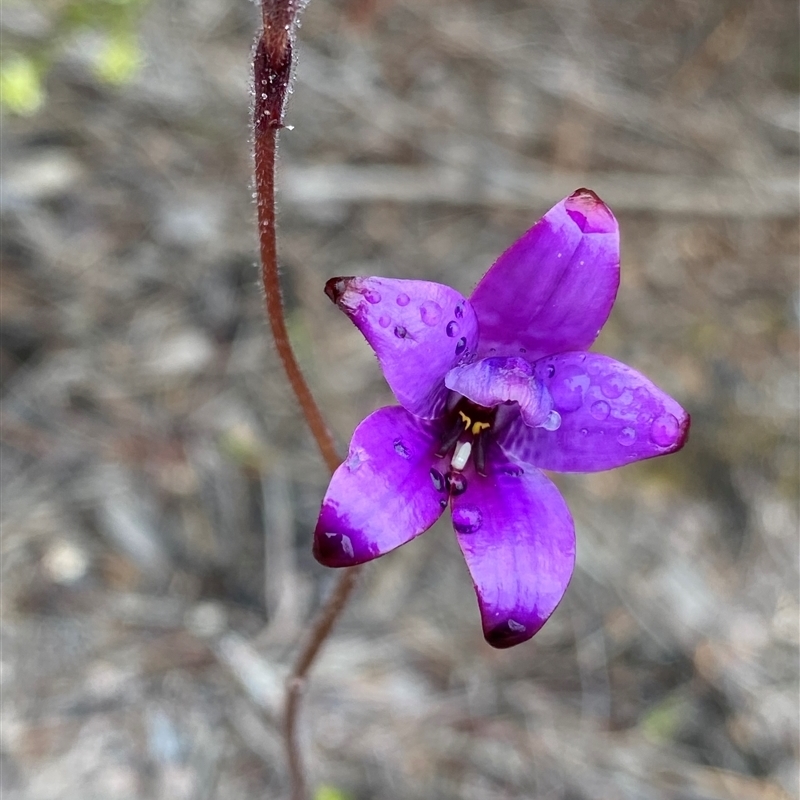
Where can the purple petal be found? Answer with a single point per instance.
(518, 539)
(553, 289)
(492, 381)
(382, 495)
(610, 415)
(418, 329)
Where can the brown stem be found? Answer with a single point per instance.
(266, 125)
(272, 64)
(297, 680)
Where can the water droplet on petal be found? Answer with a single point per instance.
(400, 332)
(600, 410)
(401, 449)
(355, 460)
(372, 296)
(584, 431)
(403, 299)
(664, 430)
(430, 312)
(461, 346)
(569, 389)
(385, 321)
(515, 626)
(612, 386)
(513, 471)
(459, 312)
(455, 483)
(452, 329)
(594, 366)
(626, 437)
(553, 421)
(347, 545)
(438, 480)
(551, 370)
(467, 519)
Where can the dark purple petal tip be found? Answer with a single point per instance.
(336, 287)
(507, 634)
(589, 212)
(334, 550)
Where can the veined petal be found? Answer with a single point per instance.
(418, 329)
(553, 289)
(382, 496)
(518, 539)
(492, 381)
(610, 415)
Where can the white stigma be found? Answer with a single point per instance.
(461, 455)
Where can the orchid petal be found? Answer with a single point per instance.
(553, 289)
(382, 496)
(492, 381)
(518, 539)
(418, 329)
(610, 415)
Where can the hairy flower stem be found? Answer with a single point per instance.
(297, 680)
(272, 66)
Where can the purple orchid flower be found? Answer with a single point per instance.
(492, 391)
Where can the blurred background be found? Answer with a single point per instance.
(159, 486)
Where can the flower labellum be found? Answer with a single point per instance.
(492, 390)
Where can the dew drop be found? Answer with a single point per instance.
(459, 312)
(455, 483)
(593, 367)
(612, 386)
(403, 299)
(626, 398)
(515, 626)
(551, 370)
(513, 471)
(401, 449)
(568, 391)
(430, 312)
(347, 545)
(584, 431)
(553, 421)
(600, 410)
(664, 430)
(385, 321)
(452, 329)
(626, 437)
(355, 460)
(461, 346)
(372, 296)
(400, 332)
(438, 480)
(467, 519)
(443, 503)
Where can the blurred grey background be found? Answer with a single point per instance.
(159, 486)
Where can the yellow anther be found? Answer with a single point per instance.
(467, 420)
(479, 426)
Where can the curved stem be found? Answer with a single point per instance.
(297, 680)
(272, 64)
(265, 146)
